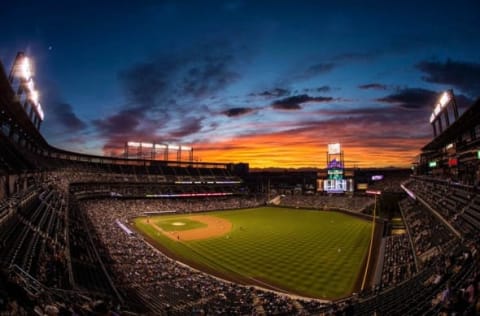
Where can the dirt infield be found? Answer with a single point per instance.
(215, 227)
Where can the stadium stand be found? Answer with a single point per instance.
(348, 203)
(398, 264)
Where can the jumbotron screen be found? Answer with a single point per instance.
(335, 185)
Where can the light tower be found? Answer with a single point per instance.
(446, 102)
(21, 75)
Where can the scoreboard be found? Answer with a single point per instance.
(334, 180)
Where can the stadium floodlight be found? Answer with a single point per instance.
(444, 99)
(334, 148)
(173, 147)
(186, 148)
(146, 145)
(133, 144)
(162, 146)
(40, 111)
(24, 68)
(30, 85)
(33, 96)
(442, 102)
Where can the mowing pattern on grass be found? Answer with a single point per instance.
(312, 253)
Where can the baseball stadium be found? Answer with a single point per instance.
(155, 233)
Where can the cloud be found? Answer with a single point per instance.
(273, 93)
(318, 69)
(209, 75)
(234, 112)
(286, 106)
(373, 86)
(133, 124)
(411, 98)
(394, 137)
(165, 88)
(294, 102)
(417, 98)
(322, 89)
(189, 126)
(66, 118)
(198, 72)
(461, 75)
(123, 122)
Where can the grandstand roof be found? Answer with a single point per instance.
(467, 121)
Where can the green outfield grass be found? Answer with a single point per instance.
(312, 253)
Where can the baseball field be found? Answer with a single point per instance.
(310, 253)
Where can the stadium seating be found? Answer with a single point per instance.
(398, 264)
(101, 254)
(348, 203)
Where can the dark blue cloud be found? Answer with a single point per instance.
(239, 111)
(198, 72)
(373, 86)
(295, 102)
(411, 98)
(459, 74)
(190, 125)
(66, 118)
(273, 93)
(418, 98)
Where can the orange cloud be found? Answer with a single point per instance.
(305, 149)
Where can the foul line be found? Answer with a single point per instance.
(371, 245)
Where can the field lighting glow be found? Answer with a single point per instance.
(22, 69)
(442, 102)
(33, 96)
(25, 69)
(444, 99)
(30, 85)
(133, 144)
(158, 146)
(40, 112)
(334, 148)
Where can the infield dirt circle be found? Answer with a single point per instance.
(215, 227)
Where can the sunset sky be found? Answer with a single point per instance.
(270, 83)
